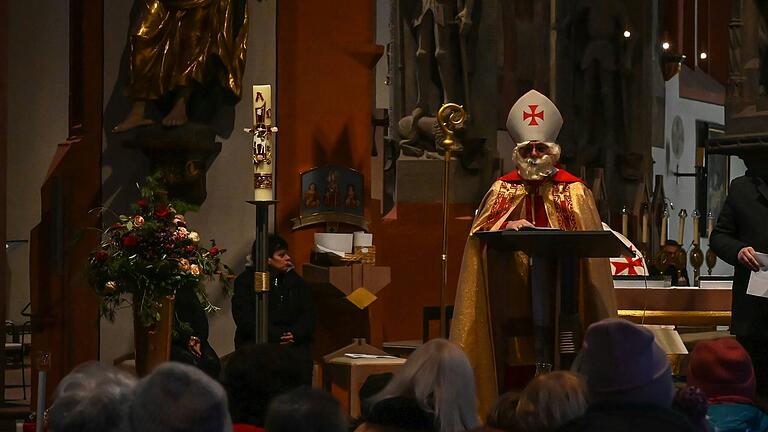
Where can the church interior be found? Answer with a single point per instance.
(152, 149)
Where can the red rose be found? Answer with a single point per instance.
(130, 240)
(162, 211)
(190, 248)
(101, 255)
(141, 203)
(214, 250)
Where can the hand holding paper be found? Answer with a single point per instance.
(758, 280)
(748, 257)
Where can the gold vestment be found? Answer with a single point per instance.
(492, 314)
(178, 42)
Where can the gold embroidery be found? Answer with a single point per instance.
(566, 218)
(500, 206)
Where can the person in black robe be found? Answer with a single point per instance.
(291, 311)
(190, 337)
(740, 233)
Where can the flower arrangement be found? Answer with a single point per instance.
(152, 254)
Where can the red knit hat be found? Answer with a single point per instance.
(723, 369)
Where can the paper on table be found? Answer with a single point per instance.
(369, 356)
(535, 228)
(758, 281)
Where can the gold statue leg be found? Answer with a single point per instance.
(136, 117)
(178, 114)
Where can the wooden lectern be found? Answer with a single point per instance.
(553, 277)
(339, 320)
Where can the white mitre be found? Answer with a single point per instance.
(534, 118)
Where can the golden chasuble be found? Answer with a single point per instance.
(179, 42)
(492, 311)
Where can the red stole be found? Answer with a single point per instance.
(538, 215)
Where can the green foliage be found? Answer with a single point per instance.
(152, 254)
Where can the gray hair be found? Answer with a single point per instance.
(92, 397)
(179, 397)
(438, 375)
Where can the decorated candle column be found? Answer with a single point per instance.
(263, 197)
(263, 144)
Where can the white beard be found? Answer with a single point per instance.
(535, 169)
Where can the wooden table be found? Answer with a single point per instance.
(343, 377)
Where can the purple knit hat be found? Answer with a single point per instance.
(623, 364)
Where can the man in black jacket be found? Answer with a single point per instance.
(291, 312)
(741, 231)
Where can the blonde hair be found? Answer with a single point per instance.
(503, 415)
(439, 377)
(551, 400)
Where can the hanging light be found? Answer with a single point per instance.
(665, 45)
(703, 55)
(627, 34)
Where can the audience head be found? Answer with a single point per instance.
(551, 400)
(692, 403)
(439, 377)
(306, 410)
(92, 398)
(371, 387)
(254, 375)
(756, 163)
(503, 415)
(723, 370)
(623, 365)
(176, 397)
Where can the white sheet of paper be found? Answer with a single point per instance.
(758, 281)
(368, 356)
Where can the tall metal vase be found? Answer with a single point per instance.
(152, 344)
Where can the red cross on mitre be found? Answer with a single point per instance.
(533, 114)
(628, 265)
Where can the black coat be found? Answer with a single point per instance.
(291, 309)
(400, 413)
(629, 418)
(191, 320)
(743, 222)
